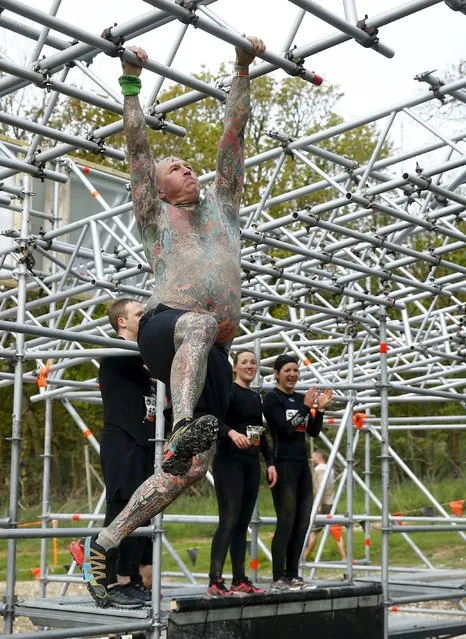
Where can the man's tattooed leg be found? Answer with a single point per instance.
(155, 494)
(195, 334)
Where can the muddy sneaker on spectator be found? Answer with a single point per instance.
(298, 583)
(190, 437)
(94, 562)
(217, 588)
(245, 587)
(281, 585)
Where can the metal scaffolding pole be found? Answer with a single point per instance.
(17, 410)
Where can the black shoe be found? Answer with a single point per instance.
(138, 590)
(189, 439)
(121, 598)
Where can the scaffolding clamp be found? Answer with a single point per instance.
(100, 144)
(24, 254)
(370, 31)
(118, 41)
(191, 7)
(312, 219)
(457, 5)
(45, 82)
(298, 61)
(435, 83)
(325, 258)
(161, 126)
(283, 139)
(437, 258)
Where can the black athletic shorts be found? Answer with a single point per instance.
(157, 347)
(125, 464)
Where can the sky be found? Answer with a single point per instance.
(433, 38)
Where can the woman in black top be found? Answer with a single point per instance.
(236, 470)
(289, 417)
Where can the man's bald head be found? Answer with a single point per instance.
(177, 182)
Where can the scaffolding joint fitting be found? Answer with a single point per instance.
(162, 125)
(118, 41)
(351, 328)
(340, 291)
(387, 275)
(101, 148)
(426, 182)
(48, 242)
(41, 174)
(10, 604)
(372, 32)
(457, 5)
(435, 84)
(379, 239)
(298, 60)
(45, 82)
(325, 258)
(191, 7)
(24, 252)
(312, 219)
(283, 138)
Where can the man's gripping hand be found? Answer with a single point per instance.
(130, 68)
(244, 58)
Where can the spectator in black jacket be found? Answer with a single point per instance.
(236, 470)
(289, 417)
(126, 454)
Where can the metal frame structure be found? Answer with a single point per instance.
(371, 284)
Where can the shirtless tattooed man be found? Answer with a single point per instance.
(193, 246)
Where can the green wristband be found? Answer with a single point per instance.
(130, 84)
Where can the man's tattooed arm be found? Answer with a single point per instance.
(141, 163)
(230, 159)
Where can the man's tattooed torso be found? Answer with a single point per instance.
(194, 250)
(195, 257)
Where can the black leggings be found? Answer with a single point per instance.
(292, 498)
(237, 478)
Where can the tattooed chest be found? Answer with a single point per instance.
(197, 270)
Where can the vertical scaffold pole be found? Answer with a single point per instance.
(157, 520)
(22, 253)
(48, 430)
(385, 456)
(46, 478)
(367, 498)
(350, 455)
(255, 519)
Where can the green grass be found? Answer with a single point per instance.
(443, 549)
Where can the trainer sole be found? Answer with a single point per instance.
(197, 439)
